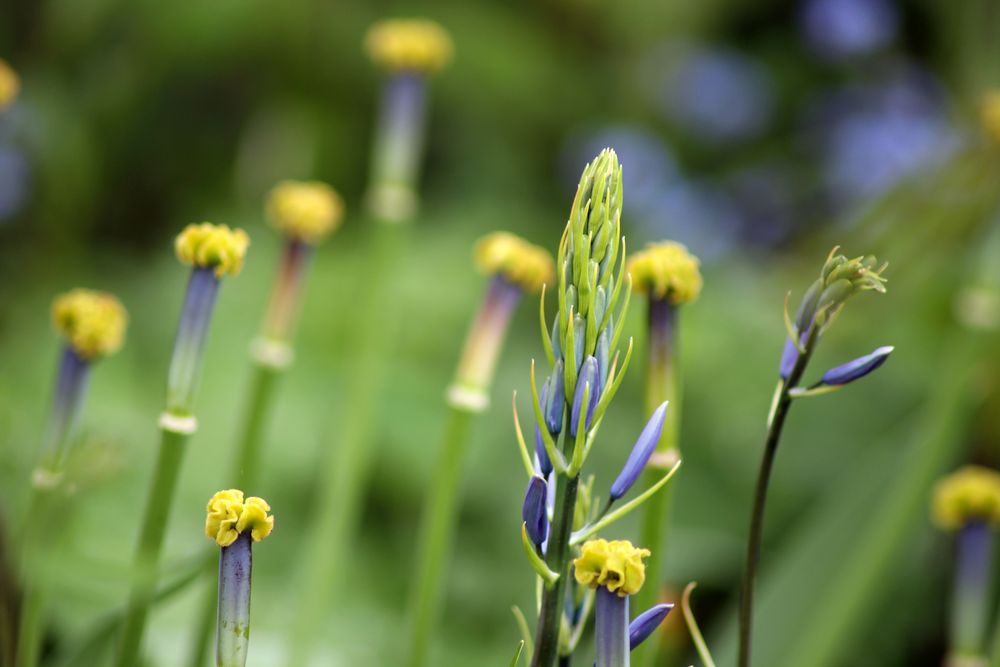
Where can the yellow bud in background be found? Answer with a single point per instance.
(229, 515)
(305, 210)
(93, 323)
(417, 45)
(666, 271)
(616, 565)
(971, 493)
(524, 264)
(10, 84)
(207, 245)
(989, 114)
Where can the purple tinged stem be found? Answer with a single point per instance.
(611, 629)
(643, 449)
(235, 573)
(189, 345)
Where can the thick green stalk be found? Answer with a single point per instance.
(557, 558)
(661, 385)
(147, 557)
(437, 532)
(346, 469)
(244, 476)
(775, 425)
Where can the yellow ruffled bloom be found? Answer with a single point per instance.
(207, 245)
(229, 514)
(305, 210)
(10, 85)
(524, 264)
(92, 322)
(417, 45)
(666, 271)
(616, 565)
(989, 114)
(969, 494)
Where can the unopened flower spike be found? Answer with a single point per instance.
(616, 570)
(306, 211)
(967, 503)
(10, 84)
(402, 45)
(235, 523)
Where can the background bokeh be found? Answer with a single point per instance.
(760, 133)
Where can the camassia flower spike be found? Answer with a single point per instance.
(235, 523)
(967, 503)
(616, 570)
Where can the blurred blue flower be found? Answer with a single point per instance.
(716, 94)
(14, 182)
(873, 136)
(841, 29)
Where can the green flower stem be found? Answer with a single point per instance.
(345, 471)
(437, 531)
(661, 385)
(244, 475)
(147, 558)
(557, 558)
(774, 428)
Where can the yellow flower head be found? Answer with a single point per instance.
(305, 210)
(522, 263)
(92, 322)
(970, 493)
(615, 565)
(416, 45)
(989, 114)
(666, 271)
(10, 85)
(208, 245)
(229, 514)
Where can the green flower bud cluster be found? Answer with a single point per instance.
(590, 267)
(840, 279)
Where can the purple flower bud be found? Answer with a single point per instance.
(645, 623)
(533, 511)
(858, 368)
(641, 452)
(542, 461)
(554, 399)
(788, 358)
(587, 376)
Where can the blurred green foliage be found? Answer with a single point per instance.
(139, 117)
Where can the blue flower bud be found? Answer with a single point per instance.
(789, 356)
(533, 512)
(645, 623)
(542, 461)
(858, 368)
(554, 399)
(588, 376)
(643, 449)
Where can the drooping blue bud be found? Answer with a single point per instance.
(858, 368)
(533, 511)
(554, 399)
(587, 377)
(645, 623)
(543, 463)
(643, 449)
